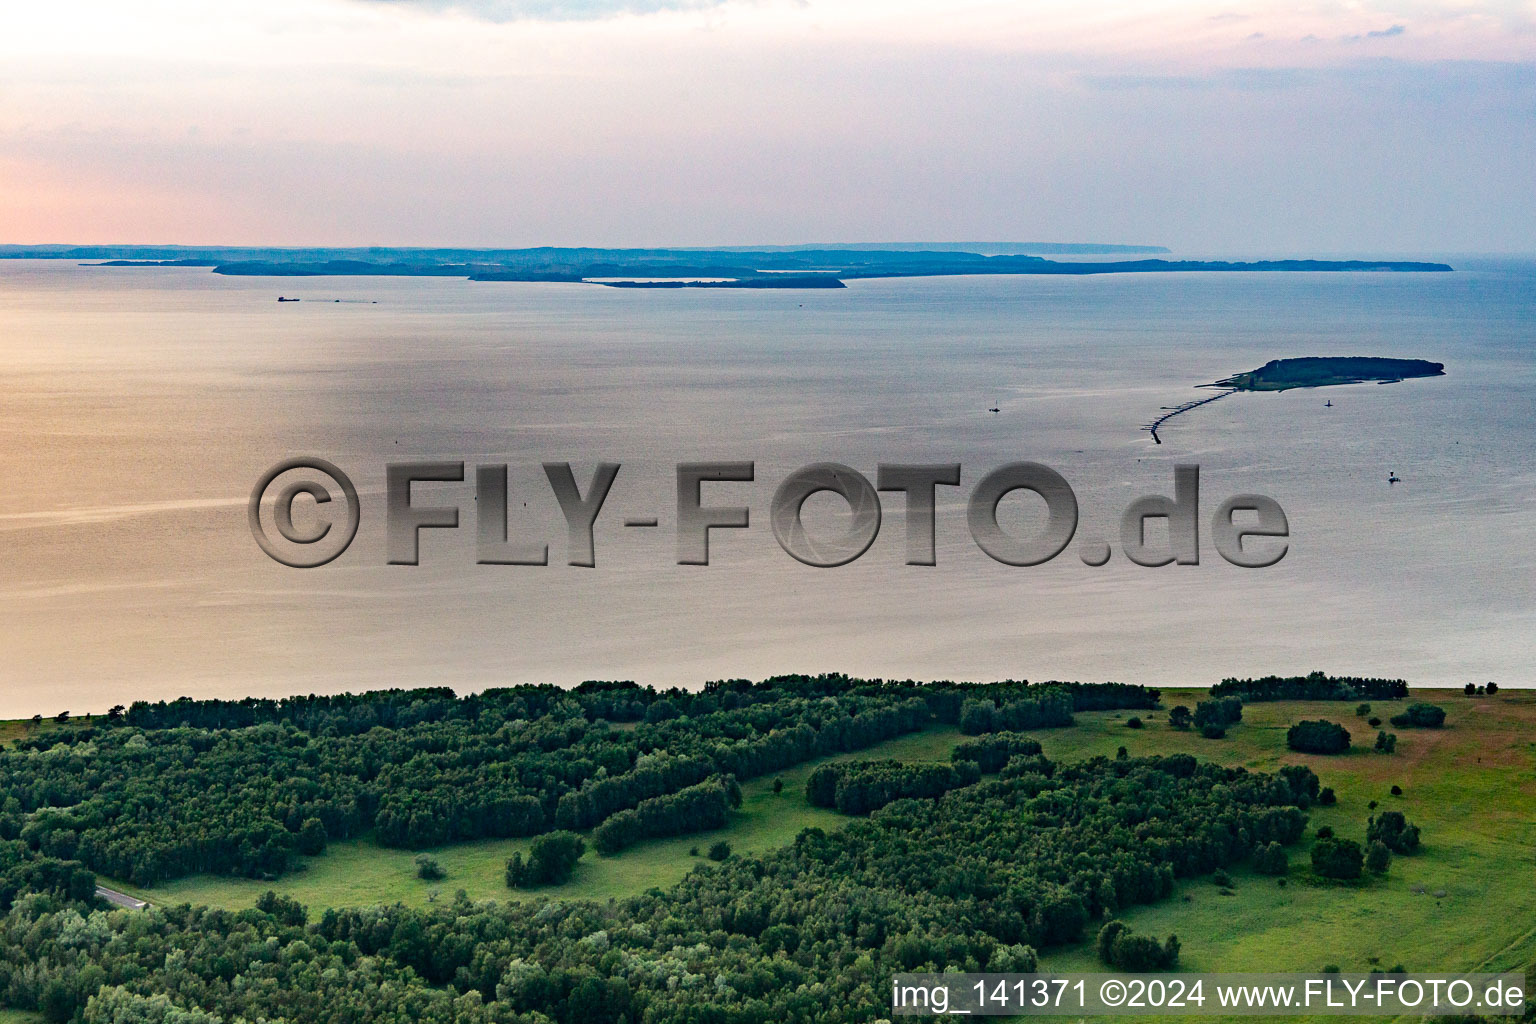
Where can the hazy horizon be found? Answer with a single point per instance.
(1381, 127)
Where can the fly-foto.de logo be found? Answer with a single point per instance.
(1247, 530)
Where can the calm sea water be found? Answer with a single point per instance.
(139, 407)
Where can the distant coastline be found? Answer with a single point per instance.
(767, 267)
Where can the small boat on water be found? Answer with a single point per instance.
(284, 298)
(994, 409)
(1328, 404)
(1393, 478)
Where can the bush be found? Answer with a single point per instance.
(1386, 742)
(1179, 717)
(1420, 716)
(1212, 731)
(1374, 722)
(428, 868)
(1327, 798)
(1393, 831)
(1337, 858)
(1361, 710)
(1396, 790)
(719, 850)
(1133, 722)
(1224, 712)
(1271, 860)
(1318, 737)
(1493, 688)
(1377, 857)
(551, 860)
(1221, 878)
(1325, 832)
(1124, 950)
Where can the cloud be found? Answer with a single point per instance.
(552, 10)
(1380, 33)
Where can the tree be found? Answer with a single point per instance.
(1386, 742)
(1224, 712)
(428, 868)
(719, 850)
(778, 786)
(1377, 857)
(1337, 858)
(1362, 710)
(1470, 689)
(1327, 798)
(1393, 830)
(115, 713)
(1493, 688)
(62, 717)
(1271, 860)
(1318, 736)
(551, 860)
(1179, 717)
(312, 837)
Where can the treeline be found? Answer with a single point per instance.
(695, 809)
(1312, 686)
(991, 753)
(859, 787)
(807, 934)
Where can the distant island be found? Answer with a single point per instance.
(1325, 371)
(765, 267)
(1307, 372)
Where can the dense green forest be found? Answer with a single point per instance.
(979, 878)
(242, 787)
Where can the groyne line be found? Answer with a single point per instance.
(1171, 413)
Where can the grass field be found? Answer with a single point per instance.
(1470, 786)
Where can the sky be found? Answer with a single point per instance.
(1377, 126)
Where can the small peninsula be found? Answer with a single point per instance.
(1326, 371)
(1306, 372)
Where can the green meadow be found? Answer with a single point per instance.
(1471, 787)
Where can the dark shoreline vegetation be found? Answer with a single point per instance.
(982, 862)
(769, 268)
